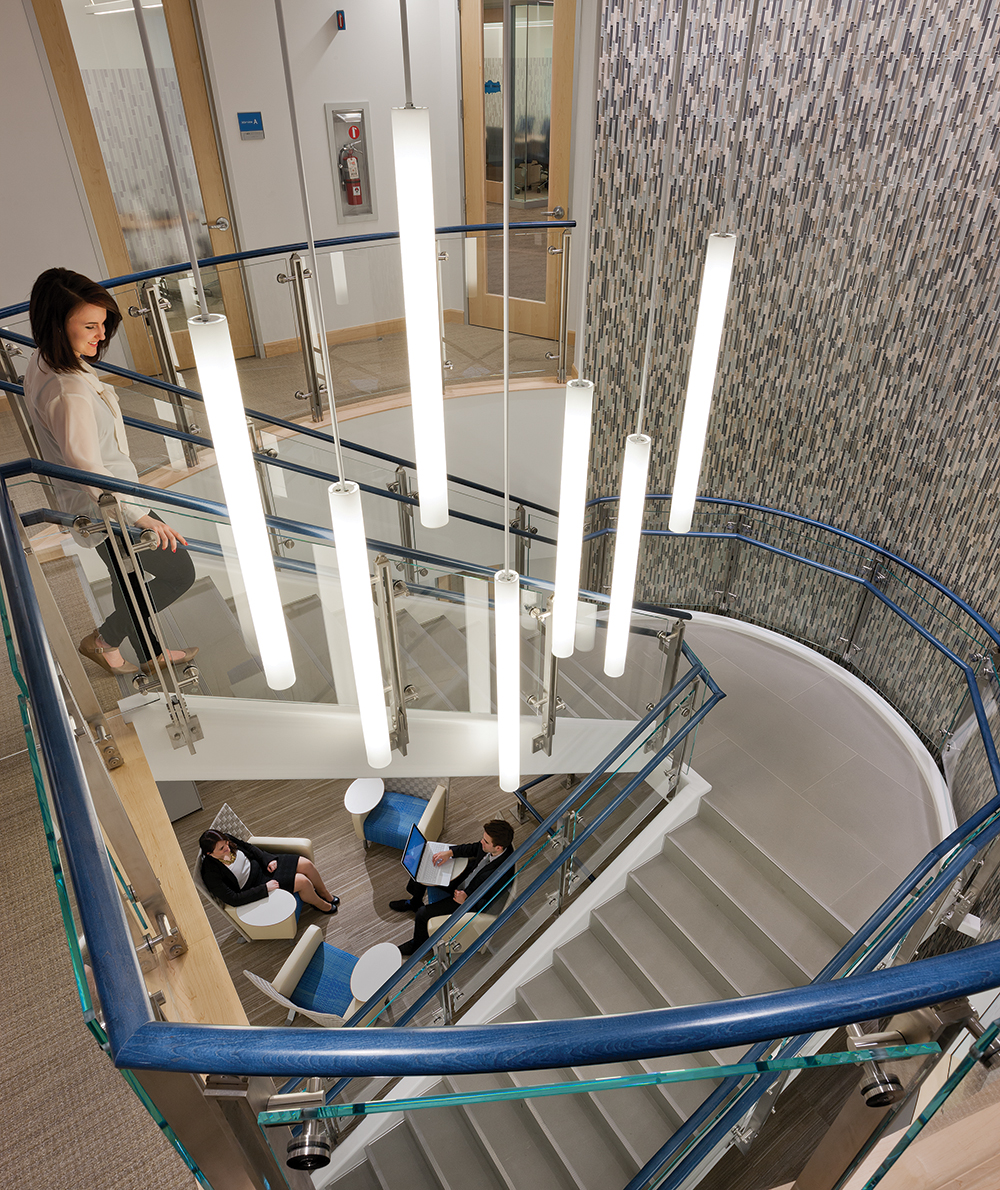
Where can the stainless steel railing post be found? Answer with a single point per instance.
(154, 312)
(315, 382)
(562, 354)
(385, 588)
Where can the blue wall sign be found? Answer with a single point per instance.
(251, 125)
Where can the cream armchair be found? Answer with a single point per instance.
(229, 823)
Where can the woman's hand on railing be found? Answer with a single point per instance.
(168, 536)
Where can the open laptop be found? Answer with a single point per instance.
(418, 860)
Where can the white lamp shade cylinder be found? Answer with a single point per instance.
(572, 502)
(359, 614)
(411, 143)
(227, 421)
(701, 378)
(507, 632)
(628, 538)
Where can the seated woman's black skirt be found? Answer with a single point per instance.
(285, 872)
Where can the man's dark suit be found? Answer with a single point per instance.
(480, 872)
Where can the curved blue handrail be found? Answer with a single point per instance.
(283, 249)
(136, 1041)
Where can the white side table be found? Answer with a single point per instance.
(374, 967)
(363, 795)
(272, 916)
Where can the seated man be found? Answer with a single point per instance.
(495, 845)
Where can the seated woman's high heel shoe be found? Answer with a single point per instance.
(89, 647)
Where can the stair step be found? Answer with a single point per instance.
(578, 1132)
(452, 1148)
(509, 1133)
(839, 931)
(652, 959)
(637, 1115)
(361, 1177)
(711, 940)
(739, 887)
(606, 989)
(398, 1160)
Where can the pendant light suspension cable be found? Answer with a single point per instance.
(727, 209)
(713, 300)
(175, 178)
(418, 258)
(214, 359)
(507, 583)
(404, 30)
(315, 289)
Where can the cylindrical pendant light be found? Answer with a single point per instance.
(628, 538)
(701, 378)
(359, 615)
(227, 421)
(411, 145)
(507, 631)
(572, 501)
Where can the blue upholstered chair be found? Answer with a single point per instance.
(422, 801)
(315, 980)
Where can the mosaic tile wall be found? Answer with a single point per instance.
(859, 370)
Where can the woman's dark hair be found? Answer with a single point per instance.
(54, 296)
(501, 832)
(210, 840)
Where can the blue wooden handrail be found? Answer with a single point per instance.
(137, 1041)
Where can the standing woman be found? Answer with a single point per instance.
(79, 424)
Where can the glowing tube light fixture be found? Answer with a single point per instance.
(359, 616)
(507, 631)
(227, 420)
(411, 143)
(628, 538)
(701, 378)
(572, 500)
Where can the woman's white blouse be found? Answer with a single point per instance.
(240, 868)
(79, 424)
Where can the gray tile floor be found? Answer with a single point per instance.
(811, 772)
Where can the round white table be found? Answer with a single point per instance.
(373, 969)
(363, 795)
(272, 916)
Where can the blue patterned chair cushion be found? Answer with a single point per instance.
(389, 823)
(325, 985)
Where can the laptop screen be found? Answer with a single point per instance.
(413, 851)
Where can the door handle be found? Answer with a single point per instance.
(221, 224)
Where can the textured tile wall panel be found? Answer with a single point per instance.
(859, 370)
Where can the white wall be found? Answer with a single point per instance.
(364, 62)
(45, 222)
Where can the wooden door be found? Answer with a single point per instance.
(129, 212)
(541, 173)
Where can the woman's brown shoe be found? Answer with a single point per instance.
(89, 647)
(149, 667)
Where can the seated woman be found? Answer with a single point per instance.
(237, 873)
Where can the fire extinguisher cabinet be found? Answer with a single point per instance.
(350, 153)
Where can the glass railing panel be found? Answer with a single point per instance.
(916, 677)
(684, 573)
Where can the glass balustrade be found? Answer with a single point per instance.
(795, 577)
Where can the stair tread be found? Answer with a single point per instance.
(753, 895)
(577, 1131)
(397, 1158)
(452, 1149)
(703, 927)
(361, 1177)
(512, 1136)
(549, 998)
(660, 959)
(599, 977)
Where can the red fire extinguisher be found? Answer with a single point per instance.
(350, 173)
